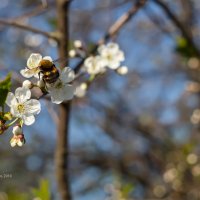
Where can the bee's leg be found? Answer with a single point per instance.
(39, 75)
(45, 84)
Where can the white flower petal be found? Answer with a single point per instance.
(37, 76)
(22, 94)
(62, 94)
(56, 96)
(56, 101)
(88, 61)
(13, 142)
(20, 143)
(101, 49)
(17, 130)
(120, 56)
(34, 60)
(48, 58)
(68, 92)
(14, 111)
(67, 75)
(27, 84)
(28, 120)
(26, 73)
(32, 106)
(93, 65)
(113, 64)
(113, 47)
(11, 100)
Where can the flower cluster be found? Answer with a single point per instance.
(108, 56)
(61, 89)
(23, 108)
(55, 82)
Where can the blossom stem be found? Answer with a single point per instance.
(2, 108)
(92, 77)
(11, 123)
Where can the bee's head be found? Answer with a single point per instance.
(45, 64)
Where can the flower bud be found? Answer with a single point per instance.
(27, 84)
(18, 140)
(17, 130)
(72, 53)
(77, 44)
(7, 116)
(123, 70)
(81, 90)
(3, 126)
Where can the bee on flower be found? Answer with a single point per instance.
(56, 82)
(62, 89)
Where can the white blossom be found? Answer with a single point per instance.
(81, 90)
(32, 65)
(62, 90)
(77, 43)
(72, 53)
(123, 70)
(21, 106)
(111, 54)
(94, 65)
(17, 130)
(18, 140)
(27, 84)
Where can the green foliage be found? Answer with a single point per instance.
(43, 191)
(127, 189)
(13, 195)
(4, 89)
(184, 48)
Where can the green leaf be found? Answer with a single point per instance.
(43, 191)
(184, 48)
(126, 189)
(4, 89)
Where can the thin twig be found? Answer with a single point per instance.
(185, 32)
(28, 28)
(113, 30)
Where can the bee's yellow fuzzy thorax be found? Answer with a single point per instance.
(46, 64)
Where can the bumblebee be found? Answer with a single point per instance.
(50, 73)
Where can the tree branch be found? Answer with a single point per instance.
(61, 154)
(185, 32)
(28, 28)
(114, 29)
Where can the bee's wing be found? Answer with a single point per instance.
(60, 60)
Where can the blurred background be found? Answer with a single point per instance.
(131, 137)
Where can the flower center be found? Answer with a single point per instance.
(109, 57)
(20, 108)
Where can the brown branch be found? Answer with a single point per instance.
(28, 28)
(114, 29)
(61, 154)
(185, 32)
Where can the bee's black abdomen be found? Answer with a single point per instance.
(49, 71)
(51, 77)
